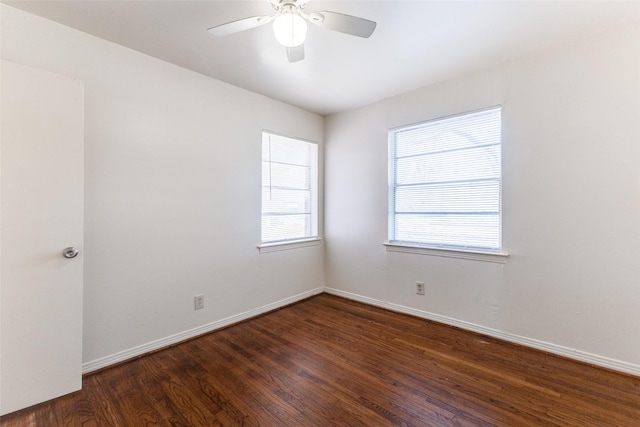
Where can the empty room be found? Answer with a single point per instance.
(319, 213)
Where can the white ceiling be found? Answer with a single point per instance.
(415, 43)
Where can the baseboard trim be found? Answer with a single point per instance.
(132, 353)
(593, 359)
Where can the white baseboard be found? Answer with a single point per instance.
(582, 356)
(594, 359)
(140, 350)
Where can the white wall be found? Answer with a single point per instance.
(172, 206)
(172, 210)
(571, 204)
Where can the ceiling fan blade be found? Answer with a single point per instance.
(239, 25)
(343, 23)
(295, 54)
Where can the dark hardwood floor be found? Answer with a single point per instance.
(328, 361)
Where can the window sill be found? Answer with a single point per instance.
(498, 257)
(285, 246)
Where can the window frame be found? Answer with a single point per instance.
(429, 248)
(312, 239)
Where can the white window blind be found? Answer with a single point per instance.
(289, 195)
(445, 182)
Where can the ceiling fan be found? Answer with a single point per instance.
(290, 26)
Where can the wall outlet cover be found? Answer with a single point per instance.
(198, 302)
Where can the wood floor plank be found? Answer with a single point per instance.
(310, 382)
(105, 412)
(328, 361)
(375, 359)
(339, 372)
(414, 364)
(195, 378)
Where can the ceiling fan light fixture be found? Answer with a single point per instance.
(290, 25)
(290, 29)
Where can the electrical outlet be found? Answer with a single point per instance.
(420, 288)
(198, 302)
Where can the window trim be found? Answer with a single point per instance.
(474, 255)
(288, 245)
(479, 254)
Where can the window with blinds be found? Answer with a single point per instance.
(445, 182)
(289, 189)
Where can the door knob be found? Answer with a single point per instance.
(70, 252)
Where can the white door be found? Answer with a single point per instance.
(41, 213)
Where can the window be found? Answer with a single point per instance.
(289, 189)
(445, 183)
